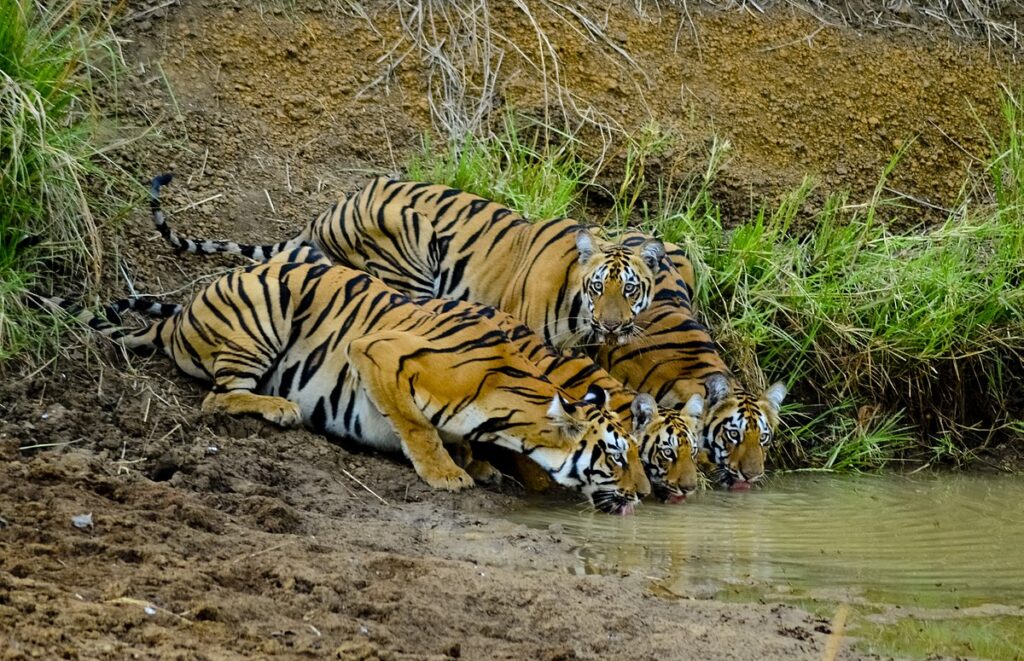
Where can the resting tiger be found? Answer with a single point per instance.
(297, 340)
(668, 438)
(429, 240)
(675, 357)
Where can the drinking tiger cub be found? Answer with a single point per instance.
(668, 439)
(674, 356)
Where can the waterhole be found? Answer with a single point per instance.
(930, 541)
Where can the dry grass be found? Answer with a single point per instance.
(51, 59)
(991, 20)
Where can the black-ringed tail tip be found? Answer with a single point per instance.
(160, 180)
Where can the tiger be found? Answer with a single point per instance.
(668, 438)
(556, 276)
(674, 356)
(301, 341)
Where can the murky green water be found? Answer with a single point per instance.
(936, 541)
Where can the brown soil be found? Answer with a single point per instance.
(248, 541)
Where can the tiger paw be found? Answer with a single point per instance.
(453, 479)
(483, 472)
(283, 413)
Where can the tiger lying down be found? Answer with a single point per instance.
(669, 439)
(297, 340)
(428, 240)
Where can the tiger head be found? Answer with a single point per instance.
(605, 462)
(738, 428)
(617, 284)
(669, 440)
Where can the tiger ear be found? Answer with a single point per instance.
(560, 413)
(718, 388)
(774, 395)
(643, 409)
(651, 251)
(585, 245)
(694, 407)
(596, 395)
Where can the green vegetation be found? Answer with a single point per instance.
(925, 324)
(537, 178)
(976, 637)
(899, 345)
(875, 627)
(50, 57)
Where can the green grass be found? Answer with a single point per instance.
(976, 637)
(897, 345)
(540, 177)
(926, 325)
(50, 58)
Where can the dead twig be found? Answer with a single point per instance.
(368, 489)
(148, 606)
(270, 549)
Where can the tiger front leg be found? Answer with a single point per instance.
(377, 359)
(481, 471)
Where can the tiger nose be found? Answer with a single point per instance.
(611, 325)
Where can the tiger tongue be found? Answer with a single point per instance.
(740, 485)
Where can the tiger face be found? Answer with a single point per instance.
(669, 440)
(618, 282)
(738, 429)
(605, 463)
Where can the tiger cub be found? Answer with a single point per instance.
(674, 356)
(298, 340)
(668, 438)
(429, 240)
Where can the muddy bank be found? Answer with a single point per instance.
(243, 540)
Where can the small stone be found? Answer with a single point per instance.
(82, 521)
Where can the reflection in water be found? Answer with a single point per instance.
(939, 540)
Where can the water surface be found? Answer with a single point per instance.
(934, 541)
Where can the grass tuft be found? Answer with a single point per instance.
(537, 177)
(50, 57)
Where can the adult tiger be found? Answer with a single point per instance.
(298, 340)
(674, 356)
(554, 276)
(668, 438)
